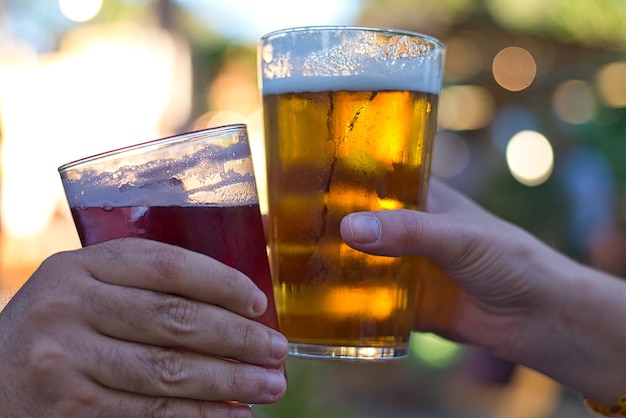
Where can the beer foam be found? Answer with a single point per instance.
(210, 176)
(356, 59)
(315, 84)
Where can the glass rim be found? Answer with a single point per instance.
(336, 28)
(153, 143)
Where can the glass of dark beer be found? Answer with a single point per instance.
(195, 190)
(349, 118)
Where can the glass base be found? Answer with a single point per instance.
(326, 352)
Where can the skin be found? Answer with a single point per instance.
(99, 332)
(513, 294)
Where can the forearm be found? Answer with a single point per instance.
(575, 334)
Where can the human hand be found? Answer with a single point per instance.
(135, 328)
(484, 255)
(515, 296)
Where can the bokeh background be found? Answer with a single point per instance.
(532, 125)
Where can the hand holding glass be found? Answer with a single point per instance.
(195, 190)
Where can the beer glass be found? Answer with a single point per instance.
(195, 190)
(349, 119)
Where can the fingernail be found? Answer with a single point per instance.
(365, 228)
(280, 347)
(275, 382)
(259, 302)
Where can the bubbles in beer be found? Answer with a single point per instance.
(346, 60)
(371, 53)
(207, 175)
(168, 184)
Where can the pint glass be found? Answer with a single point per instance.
(195, 190)
(350, 116)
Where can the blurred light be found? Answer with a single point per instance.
(465, 108)
(368, 352)
(508, 121)
(573, 102)
(29, 195)
(109, 86)
(213, 119)
(514, 68)
(530, 158)
(80, 10)
(517, 14)
(235, 87)
(434, 350)
(451, 155)
(611, 81)
(544, 54)
(249, 20)
(29, 33)
(591, 23)
(463, 59)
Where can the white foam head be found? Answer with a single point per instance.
(357, 59)
(184, 174)
(299, 84)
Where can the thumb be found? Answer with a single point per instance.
(403, 232)
(455, 233)
(482, 253)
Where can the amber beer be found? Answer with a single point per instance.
(337, 145)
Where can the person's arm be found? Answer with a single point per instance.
(521, 299)
(136, 328)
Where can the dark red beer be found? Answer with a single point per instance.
(231, 234)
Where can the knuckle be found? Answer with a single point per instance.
(168, 261)
(168, 369)
(228, 382)
(56, 268)
(236, 380)
(109, 251)
(50, 362)
(78, 403)
(64, 258)
(249, 336)
(163, 408)
(178, 315)
(470, 251)
(213, 410)
(410, 229)
(410, 222)
(247, 339)
(47, 359)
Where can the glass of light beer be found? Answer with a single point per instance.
(195, 190)
(349, 118)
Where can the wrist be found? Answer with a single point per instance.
(575, 334)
